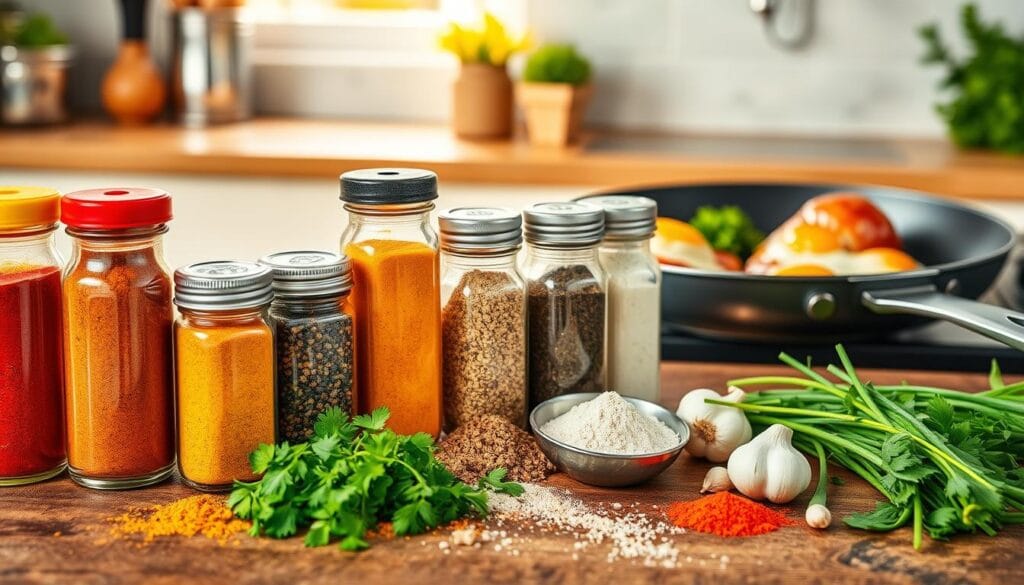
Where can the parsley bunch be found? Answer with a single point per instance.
(351, 476)
(946, 461)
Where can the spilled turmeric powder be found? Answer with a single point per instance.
(204, 515)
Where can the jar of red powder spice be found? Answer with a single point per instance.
(31, 375)
(118, 362)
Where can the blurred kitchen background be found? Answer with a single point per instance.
(257, 106)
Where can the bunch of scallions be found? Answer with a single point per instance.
(946, 461)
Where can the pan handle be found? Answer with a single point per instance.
(995, 322)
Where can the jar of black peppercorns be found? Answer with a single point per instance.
(314, 334)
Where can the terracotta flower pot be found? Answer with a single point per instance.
(554, 111)
(482, 102)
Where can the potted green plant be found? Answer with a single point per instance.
(482, 93)
(984, 89)
(34, 58)
(554, 94)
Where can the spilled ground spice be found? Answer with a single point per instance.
(203, 515)
(725, 514)
(488, 442)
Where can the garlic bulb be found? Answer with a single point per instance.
(717, 480)
(715, 430)
(769, 467)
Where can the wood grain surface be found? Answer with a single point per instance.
(325, 148)
(32, 552)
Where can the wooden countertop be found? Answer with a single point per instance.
(30, 553)
(318, 148)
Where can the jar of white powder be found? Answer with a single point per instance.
(634, 295)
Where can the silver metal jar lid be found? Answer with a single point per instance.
(222, 285)
(626, 216)
(480, 230)
(309, 274)
(566, 224)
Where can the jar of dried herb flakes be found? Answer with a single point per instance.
(224, 360)
(315, 338)
(634, 295)
(483, 317)
(566, 297)
(31, 337)
(119, 388)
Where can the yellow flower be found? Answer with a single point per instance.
(490, 43)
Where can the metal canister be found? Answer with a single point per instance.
(211, 69)
(34, 84)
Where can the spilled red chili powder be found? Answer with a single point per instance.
(725, 514)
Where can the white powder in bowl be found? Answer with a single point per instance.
(610, 424)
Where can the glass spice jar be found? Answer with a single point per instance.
(31, 337)
(634, 295)
(483, 319)
(224, 361)
(566, 298)
(119, 395)
(315, 337)
(396, 294)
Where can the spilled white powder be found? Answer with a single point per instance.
(610, 424)
(634, 535)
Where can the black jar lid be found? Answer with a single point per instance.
(388, 186)
(308, 274)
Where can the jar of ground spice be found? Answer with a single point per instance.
(315, 335)
(117, 316)
(634, 295)
(565, 299)
(483, 320)
(31, 370)
(224, 361)
(396, 294)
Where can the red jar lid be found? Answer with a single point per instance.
(115, 208)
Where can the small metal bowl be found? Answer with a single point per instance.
(605, 469)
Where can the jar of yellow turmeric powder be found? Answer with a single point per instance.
(224, 360)
(396, 294)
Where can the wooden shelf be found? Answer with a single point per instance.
(318, 148)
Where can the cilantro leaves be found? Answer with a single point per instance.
(351, 476)
(946, 461)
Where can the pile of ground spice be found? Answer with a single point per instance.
(204, 514)
(491, 441)
(725, 514)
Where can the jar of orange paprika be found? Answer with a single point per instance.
(118, 314)
(396, 294)
(31, 372)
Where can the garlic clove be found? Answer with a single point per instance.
(818, 516)
(716, 480)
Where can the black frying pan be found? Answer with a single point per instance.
(962, 250)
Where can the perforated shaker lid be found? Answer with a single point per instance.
(626, 216)
(568, 224)
(480, 230)
(309, 274)
(222, 285)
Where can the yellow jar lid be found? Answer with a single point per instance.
(23, 208)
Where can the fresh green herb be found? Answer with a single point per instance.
(985, 109)
(946, 461)
(557, 64)
(37, 31)
(728, 229)
(351, 476)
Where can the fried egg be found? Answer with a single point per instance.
(680, 244)
(835, 234)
